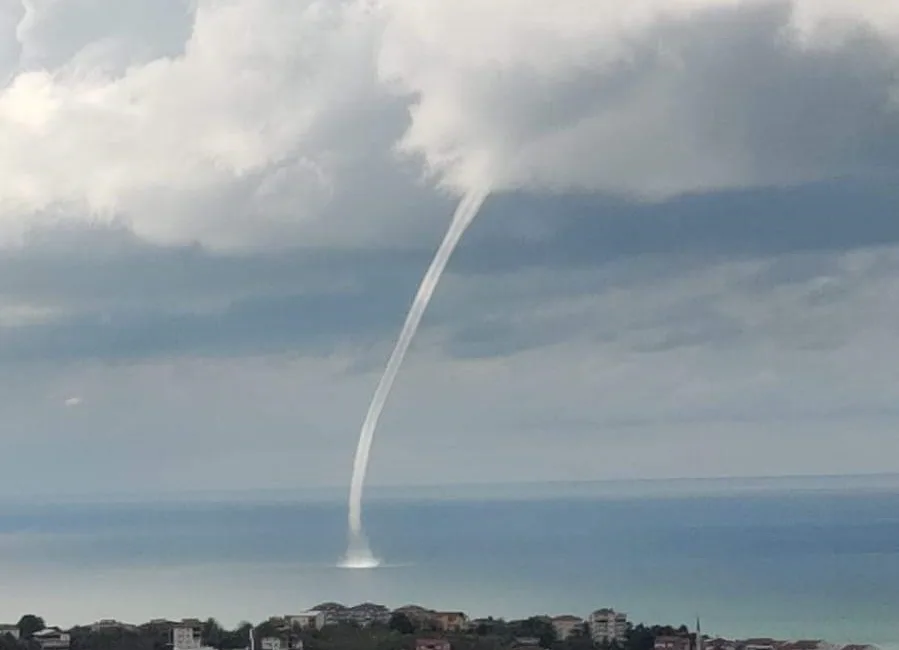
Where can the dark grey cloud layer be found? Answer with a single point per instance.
(589, 230)
(119, 297)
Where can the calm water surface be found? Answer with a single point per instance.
(792, 564)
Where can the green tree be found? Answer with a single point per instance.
(266, 628)
(29, 624)
(640, 637)
(580, 639)
(212, 633)
(401, 623)
(237, 638)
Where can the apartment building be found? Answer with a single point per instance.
(608, 626)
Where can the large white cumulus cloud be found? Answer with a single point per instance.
(237, 128)
(254, 122)
(650, 97)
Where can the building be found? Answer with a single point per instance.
(672, 643)
(187, 635)
(566, 626)
(323, 614)
(280, 643)
(719, 644)
(52, 638)
(450, 621)
(10, 630)
(804, 644)
(310, 620)
(432, 644)
(760, 644)
(366, 614)
(608, 626)
(526, 643)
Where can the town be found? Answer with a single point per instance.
(369, 626)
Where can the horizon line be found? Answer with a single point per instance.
(448, 490)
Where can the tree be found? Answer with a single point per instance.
(401, 623)
(580, 639)
(29, 624)
(240, 637)
(538, 627)
(267, 628)
(640, 637)
(8, 642)
(212, 633)
(547, 637)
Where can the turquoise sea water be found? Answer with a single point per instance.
(776, 561)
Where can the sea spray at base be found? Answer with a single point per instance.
(359, 553)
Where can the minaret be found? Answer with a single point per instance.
(698, 635)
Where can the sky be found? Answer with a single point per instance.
(214, 214)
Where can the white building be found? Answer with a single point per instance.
(188, 635)
(608, 626)
(311, 620)
(271, 643)
(52, 638)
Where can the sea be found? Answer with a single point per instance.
(809, 558)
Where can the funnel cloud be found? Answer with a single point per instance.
(359, 554)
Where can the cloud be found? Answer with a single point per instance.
(72, 401)
(584, 380)
(652, 99)
(228, 203)
(235, 141)
(168, 303)
(98, 34)
(531, 271)
(268, 124)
